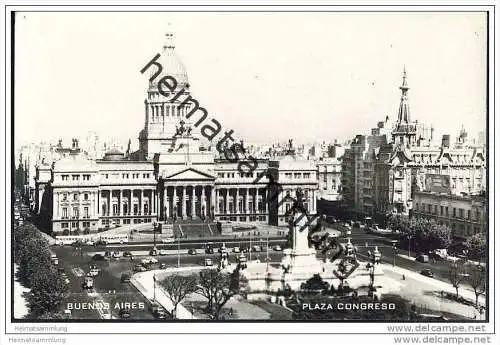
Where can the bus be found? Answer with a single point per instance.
(114, 238)
(68, 240)
(111, 238)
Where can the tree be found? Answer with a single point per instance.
(52, 316)
(477, 280)
(438, 236)
(476, 246)
(239, 283)
(399, 223)
(47, 291)
(456, 277)
(425, 234)
(315, 283)
(177, 288)
(216, 287)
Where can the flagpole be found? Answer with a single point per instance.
(154, 287)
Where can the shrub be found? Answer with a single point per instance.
(86, 231)
(65, 232)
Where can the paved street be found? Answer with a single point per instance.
(360, 238)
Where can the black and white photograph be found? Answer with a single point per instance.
(250, 169)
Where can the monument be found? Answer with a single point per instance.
(299, 262)
(335, 262)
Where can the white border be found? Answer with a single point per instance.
(260, 327)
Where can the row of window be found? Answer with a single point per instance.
(232, 174)
(75, 196)
(128, 175)
(85, 177)
(297, 175)
(75, 225)
(444, 211)
(75, 213)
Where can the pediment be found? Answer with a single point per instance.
(190, 174)
(446, 158)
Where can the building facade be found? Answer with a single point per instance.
(383, 171)
(176, 174)
(465, 215)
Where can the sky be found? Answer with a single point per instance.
(268, 76)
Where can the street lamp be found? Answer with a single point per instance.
(394, 252)
(409, 243)
(178, 238)
(154, 288)
(155, 226)
(375, 259)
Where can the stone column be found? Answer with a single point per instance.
(109, 203)
(174, 201)
(141, 203)
(264, 200)
(214, 193)
(166, 203)
(247, 199)
(130, 202)
(227, 201)
(203, 202)
(184, 205)
(120, 205)
(193, 202)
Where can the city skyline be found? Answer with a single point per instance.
(369, 96)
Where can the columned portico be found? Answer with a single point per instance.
(190, 201)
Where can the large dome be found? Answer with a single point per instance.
(172, 65)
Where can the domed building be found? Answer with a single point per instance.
(176, 173)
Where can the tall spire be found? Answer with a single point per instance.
(169, 39)
(404, 106)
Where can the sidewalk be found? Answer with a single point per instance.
(20, 308)
(438, 284)
(144, 283)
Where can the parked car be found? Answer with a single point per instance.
(209, 250)
(127, 254)
(256, 249)
(153, 252)
(125, 278)
(140, 268)
(168, 240)
(163, 266)
(192, 251)
(208, 262)
(116, 254)
(158, 311)
(124, 313)
(422, 258)
(162, 252)
(236, 249)
(149, 261)
(427, 272)
(89, 243)
(60, 269)
(277, 248)
(98, 257)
